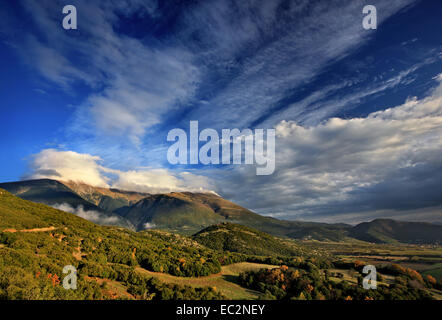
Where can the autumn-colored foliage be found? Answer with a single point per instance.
(431, 279)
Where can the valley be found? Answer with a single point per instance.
(201, 247)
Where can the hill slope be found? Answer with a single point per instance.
(57, 194)
(392, 231)
(238, 238)
(167, 211)
(37, 241)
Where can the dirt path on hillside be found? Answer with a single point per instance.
(77, 253)
(31, 230)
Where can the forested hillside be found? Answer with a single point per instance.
(37, 241)
(242, 239)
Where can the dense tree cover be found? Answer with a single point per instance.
(31, 268)
(293, 283)
(27, 274)
(20, 283)
(31, 257)
(242, 239)
(154, 250)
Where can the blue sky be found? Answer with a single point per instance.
(95, 104)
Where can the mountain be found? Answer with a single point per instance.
(105, 198)
(188, 213)
(183, 212)
(59, 195)
(50, 192)
(171, 211)
(392, 231)
(237, 238)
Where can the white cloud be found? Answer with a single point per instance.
(244, 58)
(90, 215)
(78, 167)
(159, 181)
(145, 85)
(324, 102)
(389, 160)
(67, 165)
(149, 225)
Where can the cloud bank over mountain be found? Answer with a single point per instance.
(86, 168)
(388, 163)
(90, 215)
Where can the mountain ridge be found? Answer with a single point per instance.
(188, 213)
(108, 199)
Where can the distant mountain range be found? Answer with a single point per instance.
(188, 213)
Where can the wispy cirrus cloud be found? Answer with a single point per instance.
(284, 58)
(239, 58)
(323, 103)
(131, 84)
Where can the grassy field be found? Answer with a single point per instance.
(351, 277)
(225, 281)
(418, 256)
